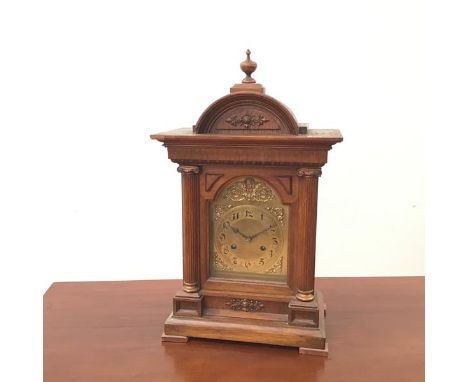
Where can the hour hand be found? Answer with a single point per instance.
(236, 230)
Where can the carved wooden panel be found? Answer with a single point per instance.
(246, 119)
(286, 183)
(211, 179)
(232, 305)
(247, 113)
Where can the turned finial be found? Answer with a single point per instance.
(248, 67)
(248, 83)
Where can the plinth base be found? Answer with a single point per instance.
(309, 340)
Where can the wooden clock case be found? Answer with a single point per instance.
(248, 133)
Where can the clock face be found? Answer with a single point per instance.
(248, 232)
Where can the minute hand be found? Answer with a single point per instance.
(259, 233)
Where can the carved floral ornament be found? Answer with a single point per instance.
(247, 120)
(245, 304)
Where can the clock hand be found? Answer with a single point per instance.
(259, 233)
(236, 230)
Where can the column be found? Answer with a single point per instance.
(307, 219)
(190, 226)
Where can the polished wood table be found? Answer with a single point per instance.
(111, 331)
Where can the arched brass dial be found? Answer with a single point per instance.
(249, 232)
(249, 238)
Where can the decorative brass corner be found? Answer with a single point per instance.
(277, 267)
(278, 212)
(220, 265)
(220, 209)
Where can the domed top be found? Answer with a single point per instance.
(247, 110)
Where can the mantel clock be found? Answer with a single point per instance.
(249, 201)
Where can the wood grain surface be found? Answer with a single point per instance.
(111, 331)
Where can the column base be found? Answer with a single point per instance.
(304, 313)
(187, 304)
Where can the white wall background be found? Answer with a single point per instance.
(86, 195)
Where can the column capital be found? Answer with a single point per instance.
(309, 172)
(185, 169)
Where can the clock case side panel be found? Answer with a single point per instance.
(218, 289)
